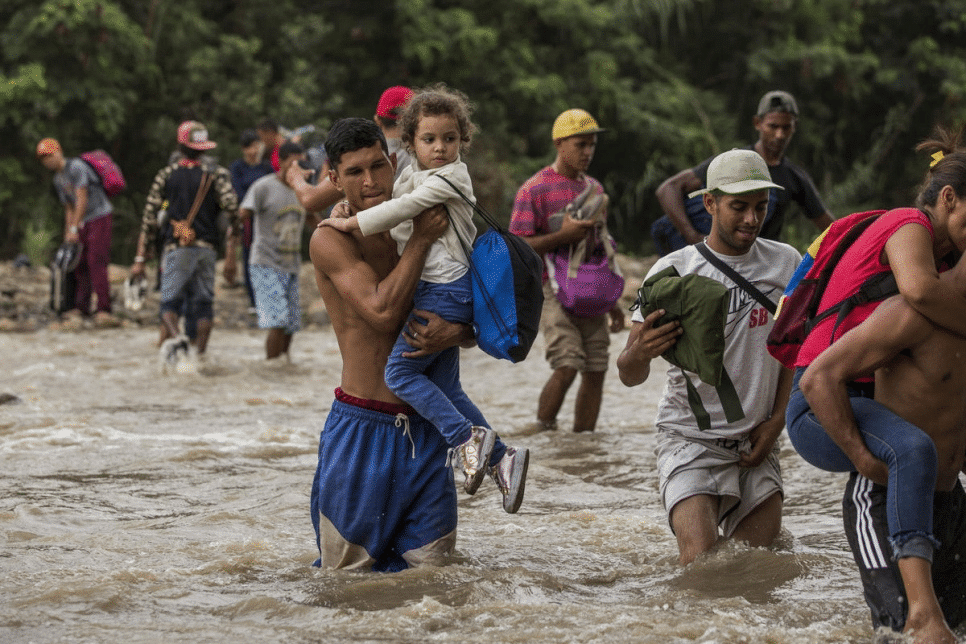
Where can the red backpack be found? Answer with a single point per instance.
(112, 179)
(798, 312)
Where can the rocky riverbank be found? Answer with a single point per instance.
(25, 298)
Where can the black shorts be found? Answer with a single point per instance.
(864, 514)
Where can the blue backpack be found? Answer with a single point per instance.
(507, 277)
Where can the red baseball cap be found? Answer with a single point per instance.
(195, 136)
(392, 99)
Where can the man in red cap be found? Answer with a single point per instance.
(324, 194)
(195, 194)
(388, 111)
(88, 217)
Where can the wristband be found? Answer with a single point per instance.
(73, 229)
(139, 259)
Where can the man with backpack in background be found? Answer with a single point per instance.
(716, 450)
(196, 193)
(574, 342)
(88, 217)
(686, 221)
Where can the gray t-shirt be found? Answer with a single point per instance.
(77, 174)
(277, 222)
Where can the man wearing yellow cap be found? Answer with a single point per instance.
(573, 343)
(88, 218)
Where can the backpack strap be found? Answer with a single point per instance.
(93, 169)
(842, 245)
(477, 208)
(876, 288)
(183, 230)
(737, 278)
(727, 394)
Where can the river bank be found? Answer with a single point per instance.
(25, 298)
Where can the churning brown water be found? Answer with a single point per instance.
(145, 508)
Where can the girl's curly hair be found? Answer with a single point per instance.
(437, 100)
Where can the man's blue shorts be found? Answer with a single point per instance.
(381, 490)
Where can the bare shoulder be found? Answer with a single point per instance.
(330, 249)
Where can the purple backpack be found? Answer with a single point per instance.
(586, 288)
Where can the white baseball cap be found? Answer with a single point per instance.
(736, 172)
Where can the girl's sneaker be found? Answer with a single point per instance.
(510, 475)
(473, 455)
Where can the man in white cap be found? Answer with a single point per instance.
(718, 461)
(573, 343)
(195, 194)
(685, 221)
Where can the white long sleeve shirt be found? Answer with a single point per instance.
(415, 191)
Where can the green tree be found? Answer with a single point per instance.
(674, 81)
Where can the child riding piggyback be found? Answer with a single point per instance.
(436, 127)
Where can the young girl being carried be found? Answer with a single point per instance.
(436, 128)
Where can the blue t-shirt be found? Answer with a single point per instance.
(244, 175)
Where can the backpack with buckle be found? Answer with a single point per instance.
(798, 310)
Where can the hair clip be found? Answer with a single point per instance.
(936, 158)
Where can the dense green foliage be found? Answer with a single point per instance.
(674, 81)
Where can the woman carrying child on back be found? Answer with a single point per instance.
(436, 127)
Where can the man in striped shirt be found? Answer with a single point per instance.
(573, 343)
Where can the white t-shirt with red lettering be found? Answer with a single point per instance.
(768, 265)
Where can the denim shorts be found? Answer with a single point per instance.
(187, 274)
(276, 298)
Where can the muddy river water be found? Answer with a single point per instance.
(137, 507)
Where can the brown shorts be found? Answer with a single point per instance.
(577, 343)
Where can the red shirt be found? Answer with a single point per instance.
(542, 195)
(276, 164)
(860, 262)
